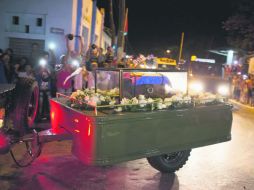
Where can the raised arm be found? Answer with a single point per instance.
(68, 46)
(81, 45)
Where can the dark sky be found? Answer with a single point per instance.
(157, 24)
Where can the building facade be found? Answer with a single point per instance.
(44, 22)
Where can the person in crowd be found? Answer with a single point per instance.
(109, 56)
(27, 72)
(22, 62)
(62, 75)
(3, 79)
(43, 75)
(10, 52)
(236, 87)
(75, 59)
(8, 69)
(44, 81)
(101, 58)
(1, 52)
(35, 54)
(103, 78)
(244, 92)
(92, 56)
(252, 92)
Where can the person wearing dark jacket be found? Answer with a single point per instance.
(3, 79)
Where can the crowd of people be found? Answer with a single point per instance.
(243, 89)
(242, 85)
(76, 70)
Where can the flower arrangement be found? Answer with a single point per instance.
(88, 99)
(106, 100)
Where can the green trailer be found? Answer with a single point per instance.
(157, 126)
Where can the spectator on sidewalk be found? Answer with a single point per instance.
(8, 68)
(3, 79)
(35, 55)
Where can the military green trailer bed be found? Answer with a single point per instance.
(166, 137)
(107, 139)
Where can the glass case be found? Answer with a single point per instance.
(129, 83)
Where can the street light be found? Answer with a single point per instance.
(168, 51)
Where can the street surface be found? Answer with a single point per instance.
(226, 166)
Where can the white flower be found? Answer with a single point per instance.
(118, 109)
(141, 97)
(150, 100)
(113, 102)
(187, 99)
(142, 103)
(164, 106)
(125, 101)
(102, 99)
(134, 100)
(176, 98)
(159, 106)
(167, 103)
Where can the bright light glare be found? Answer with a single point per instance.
(43, 62)
(75, 63)
(245, 77)
(196, 87)
(52, 45)
(223, 90)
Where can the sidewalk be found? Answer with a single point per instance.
(240, 104)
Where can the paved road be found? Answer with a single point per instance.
(226, 166)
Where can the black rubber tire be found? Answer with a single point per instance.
(26, 98)
(169, 163)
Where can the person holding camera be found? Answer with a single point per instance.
(75, 59)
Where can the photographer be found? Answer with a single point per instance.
(44, 79)
(75, 59)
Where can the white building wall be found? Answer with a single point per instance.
(59, 18)
(57, 14)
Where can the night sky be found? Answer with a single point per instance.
(157, 25)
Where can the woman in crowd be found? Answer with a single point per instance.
(8, 69)
(62, 75)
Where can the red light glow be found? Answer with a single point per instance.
(89, 130)
(76, 120)
(52, 115)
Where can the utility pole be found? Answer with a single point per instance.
(112, 23)
(181, 48)
(93, 23)
(120, 39)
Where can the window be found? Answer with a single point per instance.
(27, 28)
(39, 22)
(15, 20)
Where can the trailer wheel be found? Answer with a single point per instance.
(26, 104)
(169, 163)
